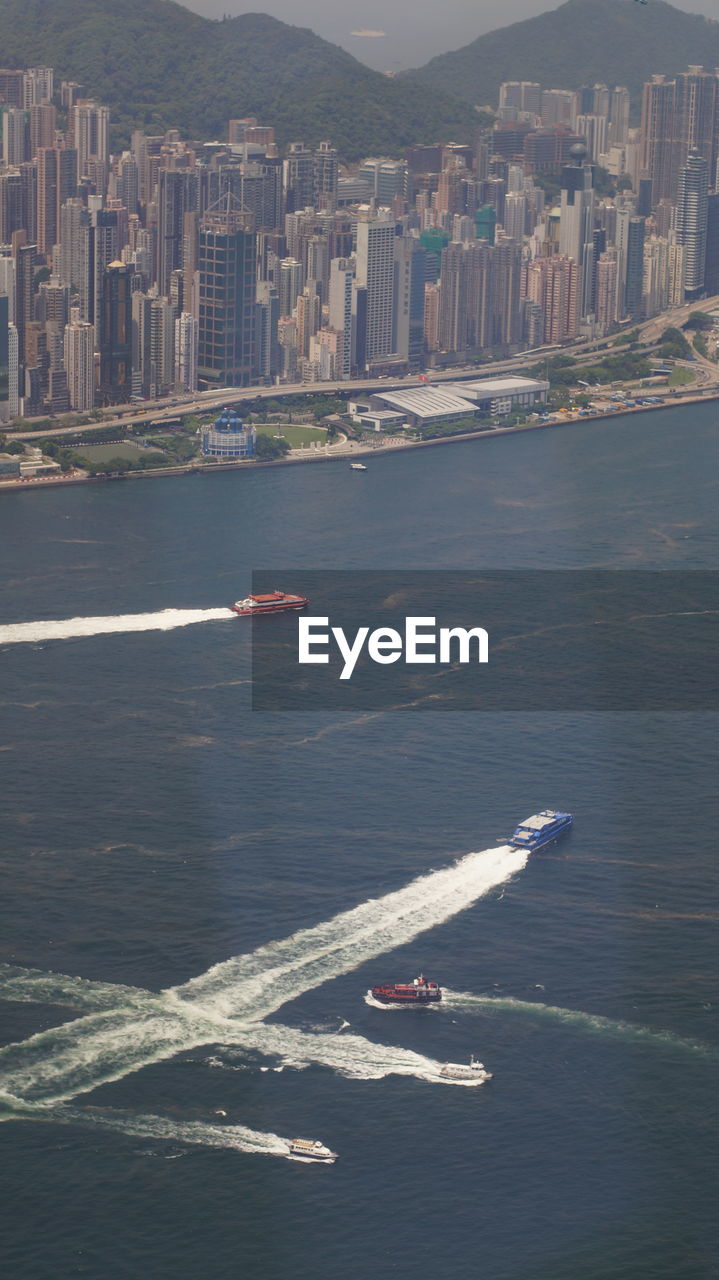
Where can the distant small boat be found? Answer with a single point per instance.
(357, 466)
(309, 1150)
(472, 1070)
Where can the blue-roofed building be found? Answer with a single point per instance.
(228, 437)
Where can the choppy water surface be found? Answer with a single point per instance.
(197, 897)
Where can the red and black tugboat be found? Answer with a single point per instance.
(419, 991)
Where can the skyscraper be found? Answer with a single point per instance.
(691, 221)
(634, 268)
(658, 136)
(90, 126)
(606, 291)
(80, 364)
(576, 223)
(116, 335)
(16, 135)
(177, 195)
(326, 167)
(375, 273)
(227, 255)
(341, 311)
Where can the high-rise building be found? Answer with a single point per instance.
(658, 136)
(619, 107)
(4, 359)
(576, 223)
(691, 221)
(7, 280)
(385, 178)
(90, 126)
(523, 95)
(515, 215)
(227, 256)
(342, 312)
(375, 273)
(43, 124)
(711, 267)
(290, 283)
(697, 117)
(266, 321)
(12, 87)
(553, 284)
(16, 135)
(104, 249)
(326, 166)
(38, 86)
(75, 251)
(593, 128)
(56, 183)
(605, 305)
(11, 204)
(308, 313)
(633, 262)
(559, 106)
(115, 338)
(25, 266)
(80, 364)
(679, 116)
(299, 177)
(177, 195)
(655, 289)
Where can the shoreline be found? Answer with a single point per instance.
(349, 455)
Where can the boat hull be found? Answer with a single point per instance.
(406, 995)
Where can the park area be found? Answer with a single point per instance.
(296, 437)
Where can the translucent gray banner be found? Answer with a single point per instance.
(555, 640)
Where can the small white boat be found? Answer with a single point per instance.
(465, 1071)
(357, 466)
(306, 1149)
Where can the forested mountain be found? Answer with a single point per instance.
(160, 66)
(581, 42)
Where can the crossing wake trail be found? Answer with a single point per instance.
(258, 984)
(76, 628)
(226, 1004)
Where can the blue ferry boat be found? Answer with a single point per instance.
(541, 829)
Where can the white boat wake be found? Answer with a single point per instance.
(129, 1028)
(75, 628)
(590, 1023)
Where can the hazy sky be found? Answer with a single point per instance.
(413, 30)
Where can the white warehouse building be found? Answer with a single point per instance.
(441, 402)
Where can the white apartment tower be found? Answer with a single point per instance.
(375, 273)
(80, 364)
(186, 340)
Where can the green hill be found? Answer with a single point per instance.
(581, 42)
(159, 66)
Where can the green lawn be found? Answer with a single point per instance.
(295, 436)
(101, 452)
(680, 377)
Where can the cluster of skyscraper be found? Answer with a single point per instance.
(181, 264)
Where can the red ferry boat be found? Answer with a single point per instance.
(419, 991)
(272, 602)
